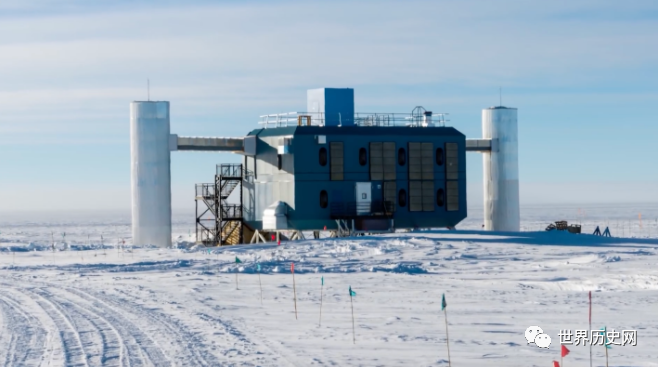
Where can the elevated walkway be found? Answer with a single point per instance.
(205, 144)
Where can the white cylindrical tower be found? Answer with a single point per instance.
(501, 170)
(150, 173)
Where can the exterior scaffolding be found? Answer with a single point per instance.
(230, 221)
(207, 212)
(220, 222)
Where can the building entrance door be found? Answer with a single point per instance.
(363, 192)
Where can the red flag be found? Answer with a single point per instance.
(565, 351)
(556, 364)
(272, 237)
(278, 243)
(292, 267)
(325, 228)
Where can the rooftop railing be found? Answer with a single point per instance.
(418, 118)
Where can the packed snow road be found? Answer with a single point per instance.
(91, 306)
(52, 324)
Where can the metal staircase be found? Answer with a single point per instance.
(227, 188)
(207, 211)
(220, 222)
(231, 233)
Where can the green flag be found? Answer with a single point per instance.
(352, 293)
(237, 261)
(322, 280)
(443, 302)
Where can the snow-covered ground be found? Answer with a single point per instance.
(91, 305)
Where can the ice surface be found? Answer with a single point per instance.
(87, 304)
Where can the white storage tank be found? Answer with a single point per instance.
(274, 216)
(501, 170)
(150, 173)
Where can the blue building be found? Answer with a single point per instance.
(365, 169)
(329, 168)
(334, 168)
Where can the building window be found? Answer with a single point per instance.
(382, 161)
(336, 157)
(439, 197)
(390, 187)
(324, 199)
(279, 161)
(402, 198)
(439, 156)
(323, 157)
(452, 162)
(420, 165)
(452, 188)
(363, 156)
(402, 157)
(421, 196)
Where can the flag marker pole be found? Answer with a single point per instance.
(321, 287)
(294, 288)
(590, 327)
(52, 237)
(445, 312)
(352, 305)
(604, 332)
(353, 332)
(564, 351)
(237, 270)
(261, 286)
(447, 337)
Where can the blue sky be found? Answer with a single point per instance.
(584, 75)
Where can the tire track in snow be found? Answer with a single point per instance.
(105, 345)
(233, 342)
(141, 349)
(147, 331)
(76, 317)
(27, 344)
(73, 349)
(8, 347)
(54, 352)
(186, 340)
